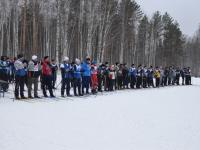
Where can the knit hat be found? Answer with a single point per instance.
(66, 58)
(34, 57)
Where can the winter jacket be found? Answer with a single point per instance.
(157, 73)
(77, 71)
(19, 68)
(4, 67)
(46, 69)
(112, 74)
(34, 69)
(132, 72)
(66, 70)
(86, 69)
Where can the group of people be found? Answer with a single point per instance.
(84, 77)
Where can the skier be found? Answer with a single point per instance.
(19, 77)
(132, 73)
(77, 78)
(178, 74)
(94, 79)
(150, 74)
(66, 72)
(106, 77)
(139, 77)
(182, 72)
(188, 76)
(34, 72)
(119, 77)
(144, 77)
(4, 72)
(157, 76)
(166, 75)
(125, 73)
(54, 68)
(112, 77)
(100, 76)
(86, 76)
(47, 77)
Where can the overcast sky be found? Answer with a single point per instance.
(186, 12)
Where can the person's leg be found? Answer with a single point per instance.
(17, 81)
(30, 82)
(22, 82)
(35, 87)
(68, 87)
(44, 86)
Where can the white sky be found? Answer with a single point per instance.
(186, 12)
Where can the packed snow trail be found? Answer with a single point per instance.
(151, 119)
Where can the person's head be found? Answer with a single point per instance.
(20, 57)
(46, 59)
(133, 65)
(66, 59)
(34, 58)
(77, 61)
(53, 61)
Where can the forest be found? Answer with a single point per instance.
(105, 30)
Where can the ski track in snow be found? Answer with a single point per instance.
(148, 119)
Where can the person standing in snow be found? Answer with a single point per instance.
(66, 72)
(77, 77)
(100, 77)
(34, 72)
(178, 74)
(112, 77)
(125, 73)
(86, 76)
(144, 77)
(157, 76)
(132, 73)
(54, 68)
(150, 75)
(20, 74)
(188, 76)
(139, 77)
(47, 77)
(4, 71)
(94, 79)
(183, 75)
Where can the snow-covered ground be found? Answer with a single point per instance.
(149, 119)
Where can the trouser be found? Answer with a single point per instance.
(47, 83)
(54, 78)
(34, 82)
(133, 81)
(65, 85)
(111, 84)
(86, 84)
(125, 82)
(150, 82)
(77, 84)
(100, 82)
(188, 80)
(144, 82)
(183, 80)
(177, 79)
(119, 82)
(4, 77)
(139, 82)
(19, 86)
(165, 81)
(157, 82)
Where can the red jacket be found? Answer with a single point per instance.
(46, 69)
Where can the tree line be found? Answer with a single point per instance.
(105, 30)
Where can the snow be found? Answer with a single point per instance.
(149, 119)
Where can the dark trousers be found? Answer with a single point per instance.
(177, 79)
(139, 82)
(133, 81)
(4, 77)
(19, 86)
(86, 83)
(77, 84)
(111, 84)
(150, 82)
(144, 82)
(157, 82)
(65, 85)
(34, 82)
(100, 82)
(119, 82)
(54, 78)
(165, 81)
(47, 83)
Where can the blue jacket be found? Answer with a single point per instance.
(132, 72)
(86, 69)
(77, 71)
(66, 71)
(4, 67)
